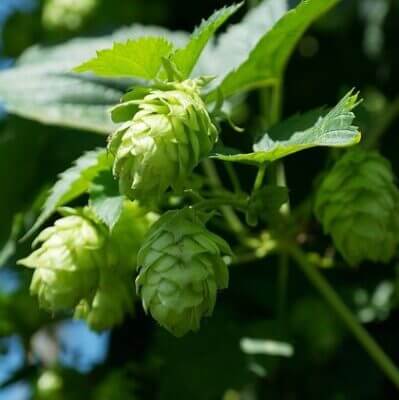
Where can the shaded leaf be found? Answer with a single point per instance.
(105, 199)
(42, 87)
(72, 183)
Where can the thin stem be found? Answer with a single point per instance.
(282, 285)
(213, 203)
(281, 180)
(360, 333)
(259, 177)
(233, 177)
(227, 211)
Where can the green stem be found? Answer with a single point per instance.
(233, 177)
(360, 333)
(282, 285)
(259, 177)
(280, 179)
(213, 203)
(227, 211)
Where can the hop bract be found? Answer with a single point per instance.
(180, 269)
(358, 204)
(67, 262)
(168, 135)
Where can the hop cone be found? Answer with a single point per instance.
(66, 265)
(114, 296)
(358, 204)
(81, 266)
(110, 302)
(180, 270)
(165, 140)
(127, 237)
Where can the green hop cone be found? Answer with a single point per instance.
(128, 235)
(167, 137)
(114, 296)
(67, 262)
(110, 302)
(358, 204)
(80, 265)
(180, 269)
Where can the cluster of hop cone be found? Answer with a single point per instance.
(177, 263)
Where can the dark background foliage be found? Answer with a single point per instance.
(44, 359)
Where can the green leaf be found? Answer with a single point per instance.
(72, 183)
(41, 86)
(105, 199)
(334, 129)
(266, 62)
(7, 250)
(187, 57)
(139, 58)
(232, 47)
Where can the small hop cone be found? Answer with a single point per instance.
(114, 296)
(358, 204)
(167, 137)
(111, 301)
(180, 269)
(66, 264)
(127, 236)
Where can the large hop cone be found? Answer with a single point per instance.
(358, 204)
(66, 264)
(165, 140)
(180, 270)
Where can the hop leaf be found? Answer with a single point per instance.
(180, 270)
(357, 204)
(66, 265)
(164, 141)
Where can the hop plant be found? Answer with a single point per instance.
(358, 204)
(67, 262)
(180, 269)
(169, 134)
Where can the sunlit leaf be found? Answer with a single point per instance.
(138, 58)
(105, 199)
(266, 62)
(334, 129)
(186, 57)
